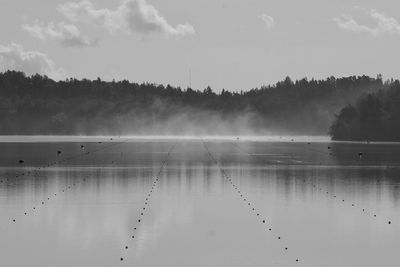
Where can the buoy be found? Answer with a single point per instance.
(263, 221)
(126, 247)
(59, 152)
(122, 259)
(21, 161)
(389, 222)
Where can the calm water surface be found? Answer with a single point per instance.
(206, 203)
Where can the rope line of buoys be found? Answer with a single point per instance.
(52, 163)
(334, 196)
(148, 196)
(242, 195)
(69, 186)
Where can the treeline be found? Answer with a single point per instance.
(39, 105)
(374, 117)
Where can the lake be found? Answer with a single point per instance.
(132, 201)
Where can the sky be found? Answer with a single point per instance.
(229, 44)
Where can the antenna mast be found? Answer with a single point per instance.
(190, 78)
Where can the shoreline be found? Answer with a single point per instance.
(138, 138)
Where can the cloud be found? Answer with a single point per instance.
(268, 20)
(131, 16)
(384, 25)
(13, 57)
(66, 34)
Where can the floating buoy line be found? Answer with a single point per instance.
(148, 196)
(245, 199)
(327, 192)
(55, 162)
(63, 189)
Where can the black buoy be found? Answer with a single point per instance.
(126, 247)
(263, 221)
(21, 161)
(122, 259)
(59, 152)
(13, 220)
(329, 147)
(360, 154)
(389, 222)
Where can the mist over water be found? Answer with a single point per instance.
(195, 217)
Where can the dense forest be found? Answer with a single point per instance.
(374, 117)
(39, 105)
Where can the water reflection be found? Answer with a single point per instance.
(194, 217)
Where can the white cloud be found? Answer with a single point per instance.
(268, 20)
(384, 25)
(66, 34)
(131, 16)
(13, 57)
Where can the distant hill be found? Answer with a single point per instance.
(374, 117)
(39, 105)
